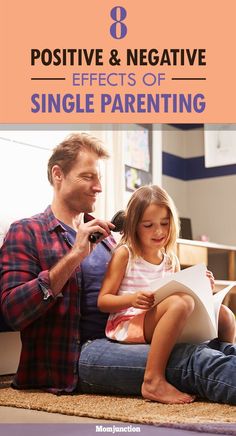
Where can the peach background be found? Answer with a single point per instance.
(151, 24)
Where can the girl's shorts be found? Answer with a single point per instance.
(127, 330)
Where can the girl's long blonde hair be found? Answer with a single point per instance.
(139, 201)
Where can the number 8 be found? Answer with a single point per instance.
(115, 13)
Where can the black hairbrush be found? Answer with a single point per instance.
(118, 220)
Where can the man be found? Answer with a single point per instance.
(40, 264)
(50, 282)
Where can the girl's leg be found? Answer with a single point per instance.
(226, 325)
(162, 327)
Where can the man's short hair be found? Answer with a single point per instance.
(66, 153)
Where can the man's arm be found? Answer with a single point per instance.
(61, 272)
(27, 289)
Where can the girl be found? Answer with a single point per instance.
(145, 253)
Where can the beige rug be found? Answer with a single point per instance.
(132, 410)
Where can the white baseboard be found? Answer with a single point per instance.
(10, 346)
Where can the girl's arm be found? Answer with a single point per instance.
(211, 278)
(177, 264)
(208, 273)
(108, 300)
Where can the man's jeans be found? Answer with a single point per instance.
(207, 370)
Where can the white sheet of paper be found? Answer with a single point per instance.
(202, 325)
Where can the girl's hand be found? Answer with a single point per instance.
(211, 278)
(143, 300)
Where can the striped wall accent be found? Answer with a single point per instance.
(192, 168)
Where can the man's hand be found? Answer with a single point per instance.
(82, 246)
(143, 300)
(61, 272)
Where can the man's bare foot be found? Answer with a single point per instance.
(164, 392)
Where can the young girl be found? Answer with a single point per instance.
(144, 254)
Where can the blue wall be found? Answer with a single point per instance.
(192, 168)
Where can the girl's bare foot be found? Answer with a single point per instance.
(164, 392)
